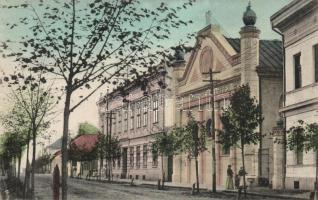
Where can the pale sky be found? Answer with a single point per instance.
(227, 13)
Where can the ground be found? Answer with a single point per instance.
(81, 189)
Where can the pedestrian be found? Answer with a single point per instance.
(229, 178)
(242, 174)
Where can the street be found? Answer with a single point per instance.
(81, 189)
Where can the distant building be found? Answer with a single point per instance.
(298, 24)
(244, 60)
(134, 114)
(83, 156)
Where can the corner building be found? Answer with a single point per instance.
(298, 24)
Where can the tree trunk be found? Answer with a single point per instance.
(243, 163)
(64, 143)
(33, 160)
(163, 173)
(316, 183)
(197, 173)
(26, 166)
(101, 167)
(19, 164)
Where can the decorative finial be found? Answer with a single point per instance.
(249, 17)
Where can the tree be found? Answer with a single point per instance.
(36, 103)
(12, 147)
(240, 121)
(112, 152)
(16, 122)
(165, 144)
(191, 139)
(304, 137)
(87, 128)
(87, 44)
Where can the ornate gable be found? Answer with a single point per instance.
(213, 51)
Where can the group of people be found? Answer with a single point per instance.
(239, 179)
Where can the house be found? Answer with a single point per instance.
(297, 22)
(83, 155)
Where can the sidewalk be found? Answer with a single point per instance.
(254, 191)
(267, 192)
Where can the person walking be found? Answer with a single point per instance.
(229, 178)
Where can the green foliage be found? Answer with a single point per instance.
(240, 120)
(12, 145)
(87, 128)
(112, 148)
(42, 161)
(165, 144)
(303, 137)
(191, 138)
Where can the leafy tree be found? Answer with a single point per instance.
(87, 44)
(240, 121)
(42, 161)
(165, 144)
(87, 128)
(112, 152)
(35, 102)
(12, 147)
(16, 122)
(191, 139)
(304, 137)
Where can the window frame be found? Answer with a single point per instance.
(155, 109)
(315, 54)
(297, 71)
(144, 155)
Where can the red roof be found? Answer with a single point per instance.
(85, 143)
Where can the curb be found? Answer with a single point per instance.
(268, 195)
(226, 192)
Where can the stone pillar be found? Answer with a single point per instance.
(278, 158)
(249, 75)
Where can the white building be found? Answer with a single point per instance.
(298, 24)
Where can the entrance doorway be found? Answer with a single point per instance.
(170, 168)
(124, 170)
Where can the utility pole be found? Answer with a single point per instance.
(212, 127)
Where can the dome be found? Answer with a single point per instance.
(249, 17)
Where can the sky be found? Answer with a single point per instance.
(227, 13)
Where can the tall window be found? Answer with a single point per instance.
(299, 157)
(155, 108)
(125, 119)
(118, 162)
(154, 157)
(316, 62)
(114, 122)
(297, 68)
(145, 113)
(119, 121)
(138, 115)
(144, 155)
(131, 157)
(132, 117)
(138, 157)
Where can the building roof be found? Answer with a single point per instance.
(85, 143)
(56, 145)
(271, 53)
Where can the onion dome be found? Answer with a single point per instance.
(249, 17)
